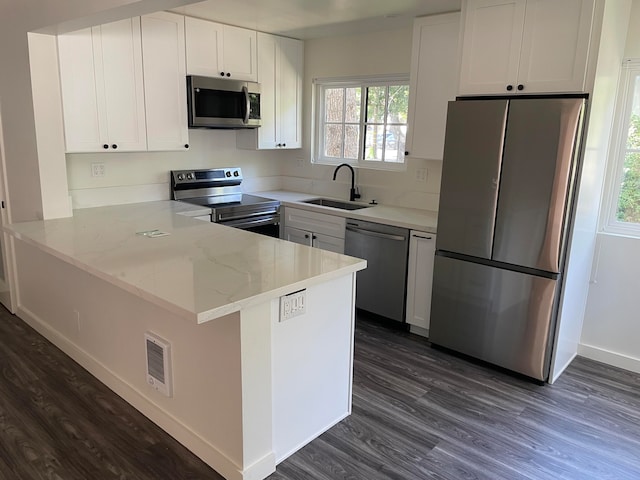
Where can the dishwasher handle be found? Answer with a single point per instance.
(371, 233)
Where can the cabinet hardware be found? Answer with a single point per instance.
(420, 236)
(406, 152)
(520, 87)
(186, 145)
(114, 146)
(509, 87)
(105, 146)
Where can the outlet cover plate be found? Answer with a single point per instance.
(293, 305)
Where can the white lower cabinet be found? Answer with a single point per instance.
(314, 229)
(422, 248)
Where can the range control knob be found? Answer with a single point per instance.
(228, 174)
(235, 174)
(189, 176)
(180, 176)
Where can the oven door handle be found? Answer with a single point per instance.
(272, 220)
(221, 218)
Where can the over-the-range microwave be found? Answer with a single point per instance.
(221, 103)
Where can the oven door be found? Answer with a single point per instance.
(264, 224)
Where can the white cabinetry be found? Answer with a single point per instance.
(164, 81)
(525, 46)
(422, 248)
(433, 82)
(216, 50)
(102, 88)
(280, 71)
(314, 229)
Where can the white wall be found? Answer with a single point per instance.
(611, 326)
(383, 52)
(144, 176)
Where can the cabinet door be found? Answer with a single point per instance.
(296, 235)
(79, 99)
(239, 58)
(326, 242)
(555, 45)
(331, 225)
(267, 133)
(118, 60)
(422, 248)
(204, 49)
(289, 92)
(164, 81)
(432, 83)
(491, 46)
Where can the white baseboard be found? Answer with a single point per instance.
(207, 452)
(610, 358)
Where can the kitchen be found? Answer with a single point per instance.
(143, 176)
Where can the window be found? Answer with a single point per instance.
(361, 121)
(624, 211)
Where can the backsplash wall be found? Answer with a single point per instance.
(144, 176)
(382, 52)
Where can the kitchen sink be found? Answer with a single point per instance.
(328, 202)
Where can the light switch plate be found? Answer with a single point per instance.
(293, 305)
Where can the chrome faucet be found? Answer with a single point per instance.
(352, 193)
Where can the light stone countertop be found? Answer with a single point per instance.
(412, 218)
(200, 271)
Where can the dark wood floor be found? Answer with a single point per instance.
(418, 413)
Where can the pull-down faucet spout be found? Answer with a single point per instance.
(352, 193)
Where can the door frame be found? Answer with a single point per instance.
(6, 243)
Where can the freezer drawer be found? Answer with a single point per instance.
(500, 316)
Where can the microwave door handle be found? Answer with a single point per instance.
(247, 106)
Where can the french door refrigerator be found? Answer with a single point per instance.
(508, 181)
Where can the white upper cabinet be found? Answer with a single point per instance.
(525, 46)
(280, 71)
(433, 83)
(102, 88)
(163, 50)
(216, 50)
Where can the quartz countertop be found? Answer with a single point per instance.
(199, 270)
(412, 218)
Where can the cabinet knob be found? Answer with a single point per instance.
(313, 237)
(306, 235)
(520, 87)
(509, 87)
(114, 146)
(186, 145)
(284, 144)
(406, 152)
(105, 146)
(278, 145)
(222, 74)
(228, 74)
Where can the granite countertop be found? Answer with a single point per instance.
(412, 218)
(200, 270)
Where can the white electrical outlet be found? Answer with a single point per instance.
(421, 175)
(293, 305)
(98, 169)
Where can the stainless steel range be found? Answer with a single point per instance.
(219, 189)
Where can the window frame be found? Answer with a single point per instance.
(630, 71)
(318, 115)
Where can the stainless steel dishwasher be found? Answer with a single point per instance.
(381, 287)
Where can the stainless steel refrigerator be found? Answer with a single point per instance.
(508, 182)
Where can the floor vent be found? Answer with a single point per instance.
(158, 363)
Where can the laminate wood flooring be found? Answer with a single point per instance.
(418, 413)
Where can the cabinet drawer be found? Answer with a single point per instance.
(314, 222)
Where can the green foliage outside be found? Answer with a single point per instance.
(629, 200)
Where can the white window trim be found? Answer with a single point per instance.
(318, 108)
(609, 222)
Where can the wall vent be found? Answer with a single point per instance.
(158, 363)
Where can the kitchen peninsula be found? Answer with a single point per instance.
(247, 389)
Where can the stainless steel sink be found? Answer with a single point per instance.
(327, 202)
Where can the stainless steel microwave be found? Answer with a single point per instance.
(219, 103)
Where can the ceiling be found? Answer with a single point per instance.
(305, 19)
